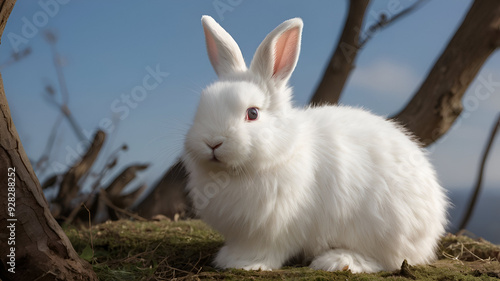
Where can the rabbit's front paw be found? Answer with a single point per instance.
(258, 266)
(342, 259)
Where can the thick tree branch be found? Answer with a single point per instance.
(437, 103)
(496, 38)
(342, 61)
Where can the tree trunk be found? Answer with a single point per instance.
(34, 247)
(342, 61)
(437, 104)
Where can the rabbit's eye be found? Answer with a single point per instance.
(252, 114)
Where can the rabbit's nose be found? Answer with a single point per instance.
(214, 146)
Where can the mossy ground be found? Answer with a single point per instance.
(165, 250)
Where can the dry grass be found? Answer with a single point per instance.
(165, 250)
(464, 248)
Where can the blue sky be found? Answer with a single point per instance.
(108, 46)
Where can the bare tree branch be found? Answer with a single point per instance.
(385, 21)
(437, 104)
(479, 181)
(51, 38)
(15, 57)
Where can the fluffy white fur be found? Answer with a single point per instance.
(337, 184)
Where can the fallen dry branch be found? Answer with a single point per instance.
(70, 183)
(105, 198)
(125, 201)
(128, 174)
(103, 204)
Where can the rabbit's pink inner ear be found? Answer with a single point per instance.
(212, 51)
(285, 50)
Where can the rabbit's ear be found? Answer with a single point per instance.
(224, 53)
(277, 55)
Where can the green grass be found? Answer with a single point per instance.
(164, 250)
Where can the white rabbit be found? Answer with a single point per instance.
(338, 185)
